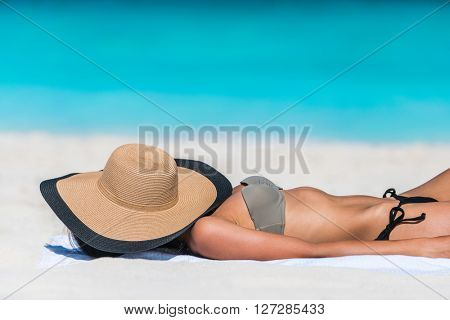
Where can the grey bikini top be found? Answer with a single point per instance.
(265, 204)
(257, 180)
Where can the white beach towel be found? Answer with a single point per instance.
(60, 251)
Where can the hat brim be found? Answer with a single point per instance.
(104, 225)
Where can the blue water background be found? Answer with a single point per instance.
(226, 63)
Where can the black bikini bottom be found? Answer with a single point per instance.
(397, 214)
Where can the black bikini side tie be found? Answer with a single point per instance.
(395, 219)
(391, 193)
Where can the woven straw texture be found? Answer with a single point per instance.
(140, 195)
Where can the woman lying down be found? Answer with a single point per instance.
(144, 199)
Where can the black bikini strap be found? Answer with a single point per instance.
(396, 220)
(391, 193)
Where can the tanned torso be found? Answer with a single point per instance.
(315, 216)
(318, 224)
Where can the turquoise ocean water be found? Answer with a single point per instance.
(227, 63)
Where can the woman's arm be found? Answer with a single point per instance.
(217, 238)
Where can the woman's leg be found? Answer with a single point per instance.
(436, 223)
(437, 188)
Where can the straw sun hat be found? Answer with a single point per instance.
(141, 200)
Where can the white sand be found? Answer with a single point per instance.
(26, 223)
